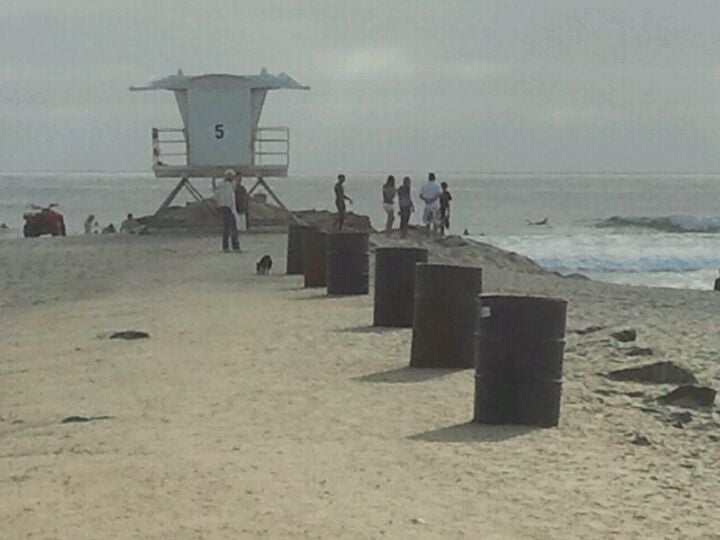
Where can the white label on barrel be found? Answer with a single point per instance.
(485, 312)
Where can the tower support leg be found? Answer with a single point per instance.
(262, 183)
(183, 183)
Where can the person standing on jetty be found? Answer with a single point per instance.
(225, 198)
(445, 199)
(340, 199)
(388, 195)
(242, 204)
(430, 193)
(406, 205)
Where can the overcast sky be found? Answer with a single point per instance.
(452, 85)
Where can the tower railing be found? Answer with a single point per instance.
(271, 146)
(270, 154)
(169, 147)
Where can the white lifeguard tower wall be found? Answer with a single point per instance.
(220, 115)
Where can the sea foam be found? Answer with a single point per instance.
(617, 252)
(668, 224)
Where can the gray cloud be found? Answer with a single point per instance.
(489, 85)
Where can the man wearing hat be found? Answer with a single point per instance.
(225, 198)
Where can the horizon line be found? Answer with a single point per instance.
(384, 172)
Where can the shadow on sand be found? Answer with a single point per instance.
(405, 374)
(472, 432)
(320, 295)
(296, 288)
(369, 329)
(316, 296)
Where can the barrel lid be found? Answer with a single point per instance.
(448, 266)
(402, 249)
(520, 298)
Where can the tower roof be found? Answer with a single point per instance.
(264, 80)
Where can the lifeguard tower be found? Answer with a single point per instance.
(220, 115)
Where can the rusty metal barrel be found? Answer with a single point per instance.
(444, 316)
(314, 244)
(520, 344)
(395, 285)
(348, 263)
(295, 249)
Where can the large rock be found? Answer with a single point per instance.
(325, 221)
(589, 330)
(452, 241)
(625, 336)
(464, 252)
(656, 373)
(204, 216)
(639, 351)
(576, 275)
(690, 396)
(193, 216)
(130, 334)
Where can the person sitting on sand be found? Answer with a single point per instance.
(406, 205)
(717, 284)
(225, 198)
(130, 225)
(388, 195)
(340, 199)
(445, 199)
(89, 222)
(430, 193)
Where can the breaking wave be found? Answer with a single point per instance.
(639, 253)
(629, 264)
(667, 224)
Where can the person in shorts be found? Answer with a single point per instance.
(340, 199)
(406, 205)
(430, 194)
(388, 195)
(445, 199)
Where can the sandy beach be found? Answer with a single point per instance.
(259, 409)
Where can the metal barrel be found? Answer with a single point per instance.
(348, 263)
(295, 249)
(444, 316)
(395, 285)
(314, 258)
(520, 344)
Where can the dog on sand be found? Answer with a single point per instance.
(264, 265)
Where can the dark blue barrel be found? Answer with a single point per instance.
(348, 263)
(395, 285)
(444, 316)
(294, 249)
(519, 365)
(314, 257)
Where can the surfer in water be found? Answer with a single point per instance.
(541, 222)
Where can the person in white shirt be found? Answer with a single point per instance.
(89, 222)
(225, 198)
(430, 193)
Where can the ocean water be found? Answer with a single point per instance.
(649, 229)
